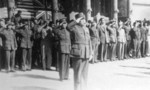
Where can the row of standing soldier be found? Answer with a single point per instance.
(40, 42)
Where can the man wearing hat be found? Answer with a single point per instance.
(104, 39)
(26, 46)
(64, 49)
(46, 47)
(80, 51)
(17, 18)
(10, 46)
(113, 39)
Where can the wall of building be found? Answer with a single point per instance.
(140, 9)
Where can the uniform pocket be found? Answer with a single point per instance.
(76, 51)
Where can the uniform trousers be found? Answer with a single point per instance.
(112, 51)
(120, 50)
(127, 49)
(26, 58)
(1, 57)
(80, 67)
(103, 51)
(10, 59)
(143, 48)
(95, 51)
(137, 46)
(148, 45)
(64, 63)
(46, 56)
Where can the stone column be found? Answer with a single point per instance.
(11, 8)
(88, 9)
(55, 11)
(130, 8)
(116, 10)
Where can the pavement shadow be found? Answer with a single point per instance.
(31, 88)
(147, 73)
(35, 76)
(130, 75)
(136, 67)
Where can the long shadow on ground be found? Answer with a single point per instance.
(35, 76)
(31, 88)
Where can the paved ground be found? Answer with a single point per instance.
(118, 75)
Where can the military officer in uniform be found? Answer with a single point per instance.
(121, 41)
(143, 39)
(10, 46)
(127, 28)
(81, 51)
(136, 36)
(26, 46)
(104, 39)
(64, 49)
(113, 39)
(94, 39)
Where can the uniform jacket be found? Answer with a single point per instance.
(143, 33)
(94, 34)
(121, 35)
(136, 33)
(112, 34)
(9, 39)
(103, 33)
(80, 39)
(127, 32)
(64, 40)
(26, 38)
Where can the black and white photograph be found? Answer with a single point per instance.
(74, 44)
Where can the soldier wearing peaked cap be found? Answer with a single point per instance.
(80, 51)
(10, 46)
(64, 49)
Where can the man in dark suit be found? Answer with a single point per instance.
(64, 49)
(46, 47)
(81, 51)
(104, 39)
(10, 46)
(26, 46)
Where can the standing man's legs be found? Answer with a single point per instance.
(102, 52)
(84, 75)
(49, 57)
(61, 65)
(12, 60)
(77, 67)
(143, 48)
(24, 57)
(122, 51)
(67, 63)
(80, 67)
(29, 58)
(119, 50)
(105, 51)
(7, 63)
(0, 58)
(43, 53)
